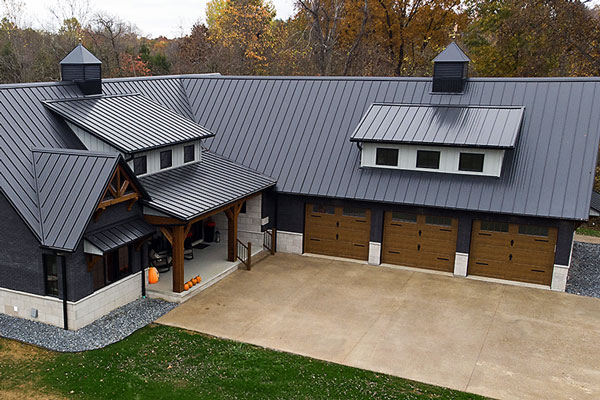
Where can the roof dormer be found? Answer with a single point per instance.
(450, 70)
(468, 140)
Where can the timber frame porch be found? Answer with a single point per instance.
(176, 230)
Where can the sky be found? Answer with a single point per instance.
(153, 18)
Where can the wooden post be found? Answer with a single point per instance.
(232, 227)
(178, 269)
(249, 256)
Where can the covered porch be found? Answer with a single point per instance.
(184, 198)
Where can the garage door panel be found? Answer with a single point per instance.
(527, 256)
(335, 234)
(408, 258)
(419, 241)
(437, 262)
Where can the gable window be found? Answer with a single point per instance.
(140, 165)
(428, 159)
(471, 162)
(166, 159)
(188, 153)
(51, 274)
(386, 157)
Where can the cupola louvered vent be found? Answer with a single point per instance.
(83, 68)
(450, 70)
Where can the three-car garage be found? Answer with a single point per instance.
(518, 252)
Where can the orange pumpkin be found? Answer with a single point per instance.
(186, 287)
(194, 281)
(199, 279)
(190, 284)
(152, 275)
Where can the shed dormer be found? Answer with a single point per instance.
(450, 70)
(467, 140)
(83, 68)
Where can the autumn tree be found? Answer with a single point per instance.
(194, 53)
(242, 36)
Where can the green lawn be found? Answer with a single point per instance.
(160, 362)
(588, 231)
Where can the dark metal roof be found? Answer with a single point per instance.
(69, 185)
(448, 125)
(120, 234)
(80, 55)
(595, 203)
(452, 53)
(131, 123)
(296, 129)
(192, 190)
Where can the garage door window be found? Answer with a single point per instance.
(428, 159)
(387, 157)
(355, 212)
(404, 217)
(441, 221)
(317, 208)
(533, 230)
(494, 226)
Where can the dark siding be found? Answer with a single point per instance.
(21, 261)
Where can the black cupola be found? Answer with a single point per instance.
(450, 70)
(83, 68)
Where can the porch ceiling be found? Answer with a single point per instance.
(192, 190)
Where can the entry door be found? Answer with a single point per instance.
(337, 231)
(516, 252)
(422, 241)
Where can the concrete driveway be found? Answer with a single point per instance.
(496, 340)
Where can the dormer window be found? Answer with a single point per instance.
(189, 153)
(428, 159)
(166, 159)
(387, 157)
(472, 162)
(140, 165)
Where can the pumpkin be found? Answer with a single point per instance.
(186, 287)
(152, 275)
(194, 281)
(199, 279)
(190, 284)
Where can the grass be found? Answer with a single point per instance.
(588, 231)
(159, 362)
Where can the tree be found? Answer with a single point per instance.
(242, 36)
(194, 51)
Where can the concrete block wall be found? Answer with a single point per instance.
(79, 313)
(249, 224)
(289, 242)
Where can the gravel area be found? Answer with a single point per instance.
(109, 329)
(584, 274)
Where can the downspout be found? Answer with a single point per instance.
(64, 289)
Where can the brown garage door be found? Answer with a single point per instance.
(510, 251)
(337, 231)
(421, 241)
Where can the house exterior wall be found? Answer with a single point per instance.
(22, 280)
(249, 223)
(290, 228)
(449, 158)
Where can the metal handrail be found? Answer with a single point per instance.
(269, 240)
(244, 253)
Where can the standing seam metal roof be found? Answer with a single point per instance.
(130, 123)
(472, 126)
(297, 130)
(119, 234)
(195, 189)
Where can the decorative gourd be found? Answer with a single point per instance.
(199, 279)
(194, 281)
(190, 284)
(152, 275)
(186, 287)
